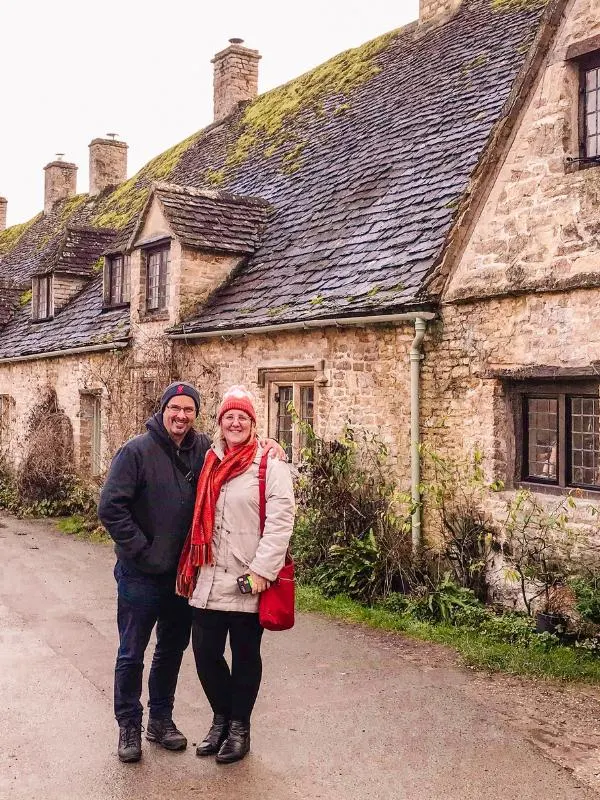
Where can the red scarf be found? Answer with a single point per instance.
(197, 549)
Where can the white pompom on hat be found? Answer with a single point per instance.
(237, 398)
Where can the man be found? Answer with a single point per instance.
(147, 505)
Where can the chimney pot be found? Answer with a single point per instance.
(108, 163)
(3, 204)
(435, 10)
(235, 77)
(60, 182)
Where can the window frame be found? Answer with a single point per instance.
(563, 392)
(164, 252)
(585, 64)
(117, 265)
(6, 406)
(37, 292)
(90, 425)
(297, 384)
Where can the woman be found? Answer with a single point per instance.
(224, 544)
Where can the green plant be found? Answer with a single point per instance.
(538, 544)
(456, 492)
(587, 597)
(441, 602)
(350, 569)
(352, 530)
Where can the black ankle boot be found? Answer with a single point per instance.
(215, 737)
(237, 744)
(165, 733)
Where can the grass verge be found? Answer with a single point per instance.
(476, 650)
(82, 527)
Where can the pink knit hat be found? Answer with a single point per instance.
(237, 398)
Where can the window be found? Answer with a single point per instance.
(42, 297)
(157, 278)
(589, 111)
(5, 406)
(116, 280)
(90, 433)
(150, 398)
(560, 431)
(291, 404)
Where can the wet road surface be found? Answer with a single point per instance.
(343, 714)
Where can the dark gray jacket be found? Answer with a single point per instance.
(146, 504)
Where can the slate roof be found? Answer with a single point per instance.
(213, 220)
(363, 175)
(80, 323)
(360, 222)
(77, 251)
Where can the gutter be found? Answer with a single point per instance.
(95, 348)
(343, 322)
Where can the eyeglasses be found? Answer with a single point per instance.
(189, 412)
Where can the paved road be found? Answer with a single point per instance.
(343, 714)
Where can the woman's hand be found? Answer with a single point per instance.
(259, 584)
(273, 448)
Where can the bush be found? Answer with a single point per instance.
(352, 531)
(587, 594)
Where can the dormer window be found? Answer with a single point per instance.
(157, 278)
(41, 297)
(116, 280)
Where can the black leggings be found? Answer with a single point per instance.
(229, 692)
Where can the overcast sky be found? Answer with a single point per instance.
(73, 70)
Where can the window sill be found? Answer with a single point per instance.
(41, 319)
(553, 489)
(154, 316)
(115, 307)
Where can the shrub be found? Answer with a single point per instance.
(352, 531)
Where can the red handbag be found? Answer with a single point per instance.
(275, 604)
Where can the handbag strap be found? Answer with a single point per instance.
(262, 491)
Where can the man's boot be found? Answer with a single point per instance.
(130, 742)
(237, 743)
(165, 733)
(215, 737)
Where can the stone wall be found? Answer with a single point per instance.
(539, 227)
(26, 383)
(366, 371)
(64, 287)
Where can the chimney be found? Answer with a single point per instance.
(435, 10)
(235, 77)
(108, 163)
(3, 204)
(60, 182)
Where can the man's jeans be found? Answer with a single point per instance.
(143, 602)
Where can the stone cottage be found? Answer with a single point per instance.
(406, 237)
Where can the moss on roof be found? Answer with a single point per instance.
(10, 236)
(119, 207)
(265, 117)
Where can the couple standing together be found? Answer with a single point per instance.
(184, 516)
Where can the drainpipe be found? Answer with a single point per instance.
(416, 357)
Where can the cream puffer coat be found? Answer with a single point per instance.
(237, 545)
